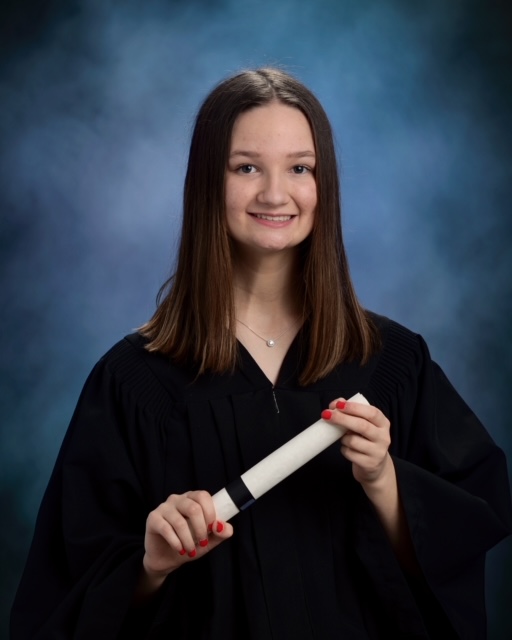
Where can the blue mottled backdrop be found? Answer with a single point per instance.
(96, 104)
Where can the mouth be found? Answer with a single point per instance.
(272, 218)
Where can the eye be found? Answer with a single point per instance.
(247, 168)
(301, 169)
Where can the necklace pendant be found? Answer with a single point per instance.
(271, 343)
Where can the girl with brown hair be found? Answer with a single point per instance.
(258, 334)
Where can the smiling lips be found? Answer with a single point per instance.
(270, 218)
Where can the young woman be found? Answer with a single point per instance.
(257, 335)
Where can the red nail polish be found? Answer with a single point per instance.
(203, 543)
(182, 552)
(210, 527)
(192, 554)
(326, 414)
(340, 404)
(220, 527)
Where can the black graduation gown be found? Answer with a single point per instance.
(307, 560)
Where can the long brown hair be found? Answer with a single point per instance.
(195, 317)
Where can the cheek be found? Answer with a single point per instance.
(234, 197)
(234, 209)
(309, 198)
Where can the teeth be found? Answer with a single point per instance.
(261, 216)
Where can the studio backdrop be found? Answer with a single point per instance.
(97, 100)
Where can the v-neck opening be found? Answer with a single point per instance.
(288, 371)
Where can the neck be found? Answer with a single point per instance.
(266, 290)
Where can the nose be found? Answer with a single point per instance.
(273, 190)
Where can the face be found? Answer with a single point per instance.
(270, 179)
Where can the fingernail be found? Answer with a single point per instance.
(210, 527)
(182, 552)
(203, 543)
(340, 404)
(192, 554)
(326, 414)
(220, 527)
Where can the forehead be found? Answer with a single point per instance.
(273, 125)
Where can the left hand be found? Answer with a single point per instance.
(366, 441)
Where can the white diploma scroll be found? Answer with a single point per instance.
(277, 466)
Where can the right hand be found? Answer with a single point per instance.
(182, 529)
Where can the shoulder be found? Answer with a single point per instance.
(397, 341)
(390, 329)
(129, 368)
(128, 352)
(403, 357)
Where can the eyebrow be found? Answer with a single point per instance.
(254, 154)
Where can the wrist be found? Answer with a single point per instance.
(382, 482)
(150, 579)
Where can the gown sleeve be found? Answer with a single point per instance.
(452, 481)
(87, 550)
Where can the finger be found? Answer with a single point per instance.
(373, 426)
(375, 436)
(179, 522)
(157, 524)
(353, 424)
(367, 463)
(190, 521)
(201, 528)
(367, 412)
(360, 444)
(185, 515)
(332, 405)
(221, 530)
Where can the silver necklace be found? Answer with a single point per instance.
(271, 342)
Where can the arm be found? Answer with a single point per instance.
(88, 563)
(452, 486)
(365, 444)
(177, 532)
